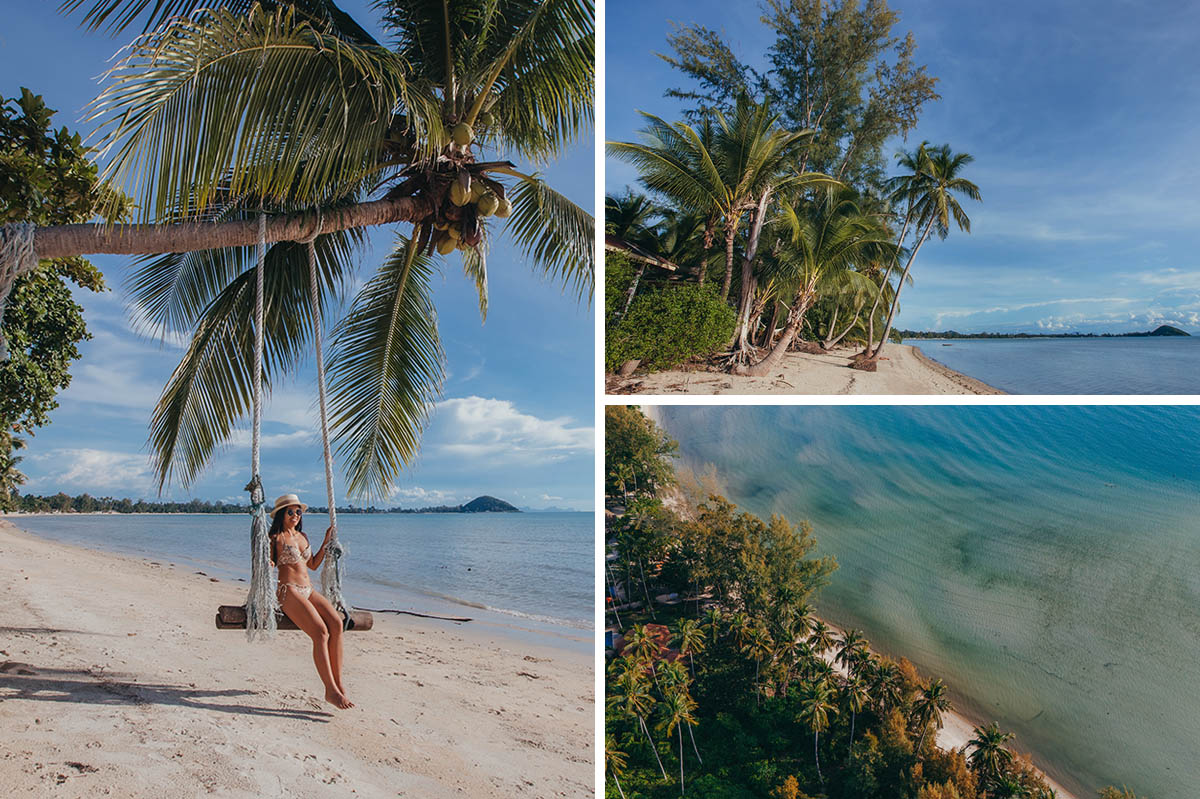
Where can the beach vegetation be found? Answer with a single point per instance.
(47, 177)
(718, 635)
(669, 325)
(787, 165)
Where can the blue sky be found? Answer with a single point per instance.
(517, 417)
(1082, 118)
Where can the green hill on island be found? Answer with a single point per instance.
(487, 504)
(1166, 330)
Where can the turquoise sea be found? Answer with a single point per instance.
(1157, 365)
(1044, 561)
(528, 570)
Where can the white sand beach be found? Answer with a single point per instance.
(114, 681)
(902, 370)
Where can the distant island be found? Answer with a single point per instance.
(1161, 330)
(484, 504)
(86, 503)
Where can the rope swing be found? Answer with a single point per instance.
(261, 604)
(331, 570)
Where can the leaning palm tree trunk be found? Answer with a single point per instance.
(804, 299)
(618, 782)
(887, 273)
(633, 287)
(887, 330)
(694, 749)
(746, 301)
(833, 342)
(64, 241)
(682, 790)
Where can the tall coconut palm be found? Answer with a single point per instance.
(816, 706)
(721, 169)
(989, 758)
(886, 684)
(691, 639)
(851, 651)
(614, 761)
(933, 207)
(630, 697)
(823, 237)
(929, 707)
(820, 639)
(857, 697)
(293, 109)
(678, 709)
(758, 647)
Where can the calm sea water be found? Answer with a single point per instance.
(531, 569)
(1044, 561)
(1158, 365)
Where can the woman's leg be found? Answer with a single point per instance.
(301, 611)
(333, 623)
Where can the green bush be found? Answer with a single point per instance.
(618, 274)
(665, 327)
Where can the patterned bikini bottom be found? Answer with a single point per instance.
(303, 591)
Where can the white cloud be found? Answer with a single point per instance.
(477, 427)
(423, 495)
(97, 470)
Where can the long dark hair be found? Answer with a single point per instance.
(277, 527)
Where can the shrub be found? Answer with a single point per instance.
(618, 274)
(667, 326)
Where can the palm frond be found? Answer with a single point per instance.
(385, 372)
(211, 388)
(555, 233)
(263, 103)
(474, 261)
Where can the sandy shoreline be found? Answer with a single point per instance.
(114, 681)
(902, 370)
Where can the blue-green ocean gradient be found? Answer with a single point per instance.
(1043, 560)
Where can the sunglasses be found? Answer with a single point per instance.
(294, 512)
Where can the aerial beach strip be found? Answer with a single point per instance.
(904, 370)
(114, 680)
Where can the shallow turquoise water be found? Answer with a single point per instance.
(1158, 365)
(1044, 561)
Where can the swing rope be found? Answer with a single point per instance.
(261, 604)
(17, 257)
(331, 571)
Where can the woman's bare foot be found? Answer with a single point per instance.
(338, 700)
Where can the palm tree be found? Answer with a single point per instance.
(851, 650)
(933, 205)
(691, 639)
(820, 639)
(989, 758)
(614, 761)
(293, 109)
(758, 646)
(816, 707)
(857, 697)
(679, 709)
(723, 169)
(10, 477)
(824, 237)
(631, 697)
(641, 645)
(929, 707)
(886, 684)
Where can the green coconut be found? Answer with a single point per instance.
(462, 134)
(504, 208)
(441, 226)
(459, 194)
(454, 233)
(446, 246)
(485, 119)
(488, 204)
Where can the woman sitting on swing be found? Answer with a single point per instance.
(312, 613)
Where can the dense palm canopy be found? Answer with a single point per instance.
(220, 110)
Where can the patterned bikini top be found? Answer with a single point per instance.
(290, 553)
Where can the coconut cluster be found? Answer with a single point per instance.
(470, 198)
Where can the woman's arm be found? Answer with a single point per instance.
(314, 562)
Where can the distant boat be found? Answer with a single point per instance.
(947, 345)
